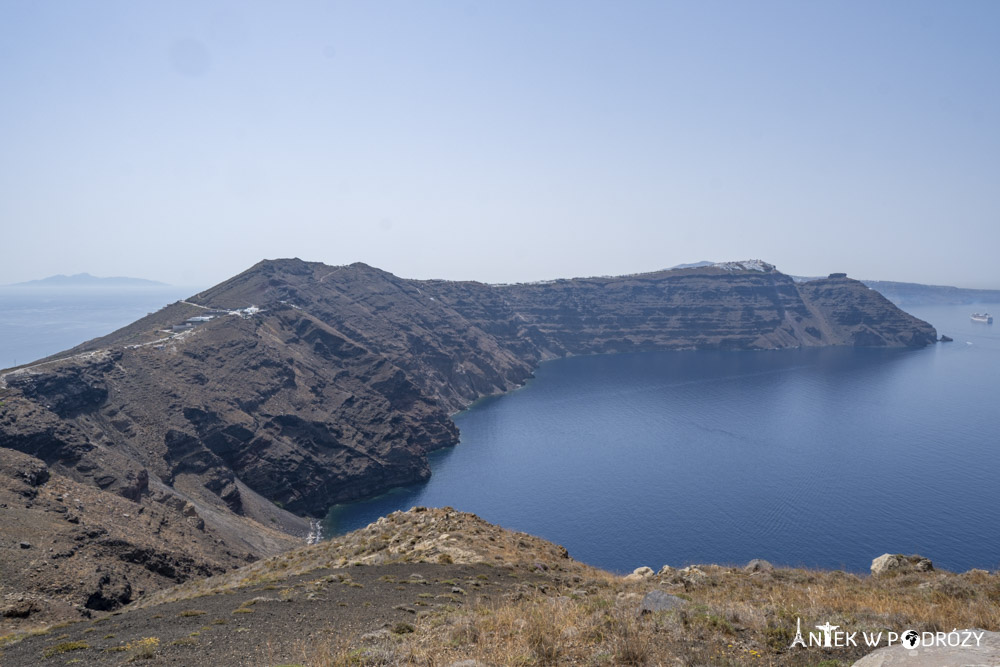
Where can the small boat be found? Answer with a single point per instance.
(984, 318)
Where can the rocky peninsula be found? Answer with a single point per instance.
(201, 436)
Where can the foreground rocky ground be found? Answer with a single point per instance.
(439, 587)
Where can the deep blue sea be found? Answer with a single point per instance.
(821, 457)
(36, 322)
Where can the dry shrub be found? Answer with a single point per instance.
(542, 634)
(464, 632)
(631, 643)
(343, 654)
(143, 649)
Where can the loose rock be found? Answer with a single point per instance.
(899, 563)
(640, 574)
(692, 574)
(758, 565)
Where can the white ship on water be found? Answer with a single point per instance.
(984, 318)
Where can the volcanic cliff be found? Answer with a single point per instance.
(295, 385)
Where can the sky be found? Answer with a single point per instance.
(505, 141)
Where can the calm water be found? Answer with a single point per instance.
(815, 457)
(39, 321)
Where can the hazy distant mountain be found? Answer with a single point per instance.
(87, 280)
(917, 294)
(903, 294)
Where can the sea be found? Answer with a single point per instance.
(821, 458)
(817, 458)
(37, 322)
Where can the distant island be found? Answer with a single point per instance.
(906, 294)
(87, 280)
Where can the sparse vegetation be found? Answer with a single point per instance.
(733, 618)
(13, 638)
(64, 647)
(402, 628)
(143, 649)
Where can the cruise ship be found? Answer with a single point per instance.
(985, 318)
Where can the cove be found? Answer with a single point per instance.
(816, 457)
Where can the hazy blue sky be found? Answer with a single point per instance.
(500, 141)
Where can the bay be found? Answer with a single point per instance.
(816, 457)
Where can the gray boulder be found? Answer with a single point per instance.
(659, 601)
(692, 575)
(887, 563)
(758, 565)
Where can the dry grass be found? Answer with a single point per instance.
(15, 637)
(64, 647)
(731, 618)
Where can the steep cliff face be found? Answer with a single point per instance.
(863, 317)
(298, 384)
(701, 308)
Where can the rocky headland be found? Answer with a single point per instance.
(200, 436)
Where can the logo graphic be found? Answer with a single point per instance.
(827, 637)
(798, 641)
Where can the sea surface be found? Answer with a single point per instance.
(37, 322)
(819, 458)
